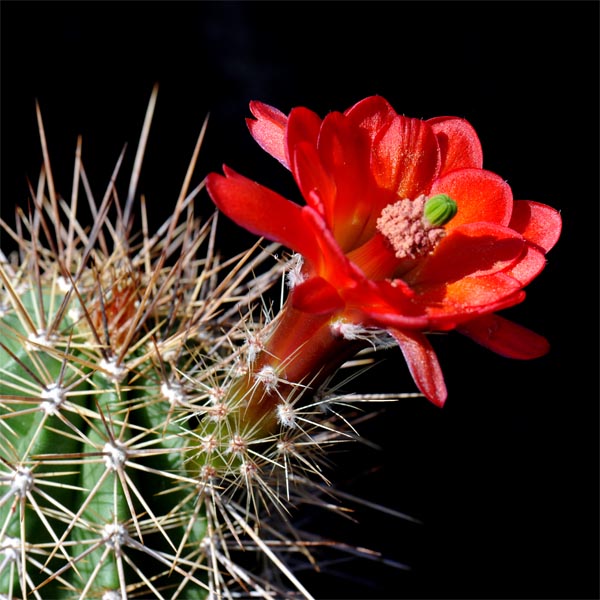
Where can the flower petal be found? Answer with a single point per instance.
(261, 211)
(329, 261)
(268, 129)
(303, 126)
(316, 296)
(371, 115)
(474, 249)
(344, 151)
(529, 266)
(459, 144)
(505, 337)
(406, 157)
(480, 195)
(448, 305)
(385, 304)
(315, 183)
(538, 223)
(375, 258)
(423, 364)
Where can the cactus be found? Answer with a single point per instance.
(123, 472)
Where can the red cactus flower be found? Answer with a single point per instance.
(402, 229)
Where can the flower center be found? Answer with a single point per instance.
(414, 228)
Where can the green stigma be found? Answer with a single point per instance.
(440, 209)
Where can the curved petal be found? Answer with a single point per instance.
(385, 304)
(480, 195)
(475, 249)
(423, 364)
(371, 115)
(529, 266)
(459, 144)
(405, 157)
(268, 129)
(261, 211)
(537, 223)
(303, 126)
(505, 337)
(375, 258)
(315, 183)
(345, 154)
(316, 296)
(329, 261)
(453, 303)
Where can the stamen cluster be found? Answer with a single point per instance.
(407, 230)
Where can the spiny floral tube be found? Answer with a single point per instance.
(403, 231)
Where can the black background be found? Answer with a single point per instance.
(505, 477)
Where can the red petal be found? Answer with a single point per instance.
(261, 211)
(406, 157)
(269, 130)
(375, 258)
(345, 154)
(423, 364)
(505, 337)
(385, 304)
(480, 195)
(538, 223)
(474, 249)
(530, 265)
(329, 261)
(316, 296)
(459, 145)
(314, 181)
(303, 126)
(447, 305)
(371, 115)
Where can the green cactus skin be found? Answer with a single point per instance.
(81, 459)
